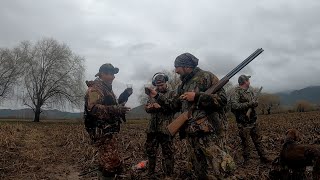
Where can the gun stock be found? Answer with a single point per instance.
(177, 123)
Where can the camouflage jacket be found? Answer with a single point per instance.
(208, 106)
(240, 105)
(101, 107)
(161, 117)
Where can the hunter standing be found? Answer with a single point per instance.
(206, 115)
(241, 101)
(157, 134)
(103, 116)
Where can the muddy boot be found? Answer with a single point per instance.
(102, 175)
(147, 175)
(151, 167)
(246, 159)
(168, 178)
(262, 154)
(167, 166)
(265, 159)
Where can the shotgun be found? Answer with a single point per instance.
(176, 124)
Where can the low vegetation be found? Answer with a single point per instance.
(60, 150)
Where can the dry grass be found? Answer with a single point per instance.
(59, 150)
(42, 150)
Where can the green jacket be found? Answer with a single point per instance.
(161, 117)
(101, 108)
(208, 106)
(240, 105)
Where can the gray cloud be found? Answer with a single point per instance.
(144, 37)
(221, 64)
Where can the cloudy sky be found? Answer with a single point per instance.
(144, 37)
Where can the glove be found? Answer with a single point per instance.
(119, 110)
(253, 104)
(129, 91)
(123, 98)
(122, 110)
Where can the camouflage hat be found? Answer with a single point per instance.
(107, 68)
(186, 60)
(243, 78)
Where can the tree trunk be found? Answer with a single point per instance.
(269, 110)
(37, 115)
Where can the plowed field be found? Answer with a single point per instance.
(62, 150)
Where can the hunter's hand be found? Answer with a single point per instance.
(189, 96)
(152, 106)
(129, 90)
(253, 104)
(148, 106)
(124, 96)
(156, 105)
(152, 92)
(123, 110)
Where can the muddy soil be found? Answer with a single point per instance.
(62, 150)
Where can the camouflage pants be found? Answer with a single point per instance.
(220, 126)
(207, 159)
(221, 141)
(109, 159)
(152, 145)
(247, 131)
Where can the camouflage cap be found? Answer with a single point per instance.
(107, 68)
(243, 78)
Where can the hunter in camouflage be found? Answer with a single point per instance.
(157, 134)
(206, 117)
(241, 101)
(102, 115)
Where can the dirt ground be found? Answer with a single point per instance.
(62, 150)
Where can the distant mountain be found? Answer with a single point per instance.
(46, 114)
(311, 94)
(138, 113)
(135, 113)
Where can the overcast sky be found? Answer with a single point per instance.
(144, 37)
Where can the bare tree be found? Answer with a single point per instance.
(12, 64)
(54, 76)
(230, 90)
(268, 103)
(303, 106)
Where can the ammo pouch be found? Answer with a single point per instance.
(201, 125)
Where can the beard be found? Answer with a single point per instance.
(182, 76)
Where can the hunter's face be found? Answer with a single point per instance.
(247, 83)
(161, 87)
(107, 77)
(182, 71)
